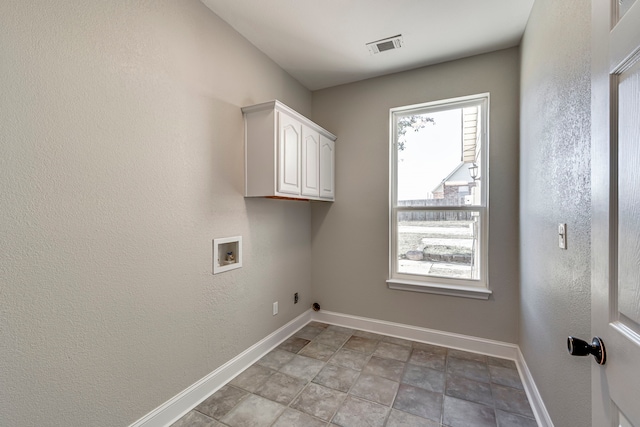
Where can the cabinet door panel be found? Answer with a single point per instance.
(289, 144)
(310, 162)
(327, 168)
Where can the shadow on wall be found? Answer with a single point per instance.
(319, 211)
(227, 147)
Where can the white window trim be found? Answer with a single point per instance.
(476, 289)
(439, 288)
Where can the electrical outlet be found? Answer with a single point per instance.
(295, 298)
(275, 308)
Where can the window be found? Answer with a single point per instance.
(438, 200)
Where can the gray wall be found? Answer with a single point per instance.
(350, 238)
(555, 188)
(121, 157)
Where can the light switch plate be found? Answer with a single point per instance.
(562, 236)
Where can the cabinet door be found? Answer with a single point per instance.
(327, 168)
(289, 144)
(310, 162)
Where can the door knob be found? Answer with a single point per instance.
(578, 347)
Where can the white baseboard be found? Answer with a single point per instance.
(537, 405)
(414, 333)
(173, 409)
(451, 340)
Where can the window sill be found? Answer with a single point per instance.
(439, 289)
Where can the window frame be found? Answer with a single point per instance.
(470, 288)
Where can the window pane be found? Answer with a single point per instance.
(439, 243)
(438, 158)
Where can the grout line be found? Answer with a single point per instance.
(444, 392)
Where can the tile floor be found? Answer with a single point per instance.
(333, 376)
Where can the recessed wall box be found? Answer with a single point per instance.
(227, 254)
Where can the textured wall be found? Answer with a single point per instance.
(121, 158)
(555, 188)
(350, 238)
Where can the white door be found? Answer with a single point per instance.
(310, 162)
(327, 168)
(289, 144)
(615, 229)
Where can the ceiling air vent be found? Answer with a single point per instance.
(389, 43)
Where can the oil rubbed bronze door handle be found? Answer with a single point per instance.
(578, 347)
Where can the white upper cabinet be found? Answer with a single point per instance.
(289, 146)
(287, 155)
(327, 168)
(310, 162)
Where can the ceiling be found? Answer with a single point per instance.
(322, 43)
